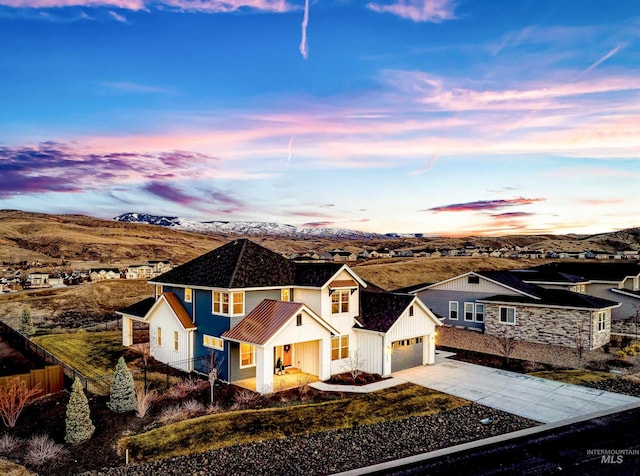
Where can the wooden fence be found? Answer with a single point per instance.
(50, 379)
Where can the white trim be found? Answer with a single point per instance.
(457, 318)
(473, 312)
(253, 358)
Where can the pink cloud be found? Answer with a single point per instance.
(433, 11)
(319, 224)
(594, 202)
(484, 205)
(208, 6)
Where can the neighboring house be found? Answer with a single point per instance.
(159, 266)
(503, 302)
(100, 274)
(617, 281)
(56, 280)
(38, 280)
(248, 307)
(139, 271)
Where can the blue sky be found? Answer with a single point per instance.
(430, 116)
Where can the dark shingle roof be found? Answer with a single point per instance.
(315, 274)
(138, 309)
(509, 279)
(413, 287)
(547, 275)
(595, 271)
(238, 264)
(556, 297)
(379, 311)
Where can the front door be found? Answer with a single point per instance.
(286, 355)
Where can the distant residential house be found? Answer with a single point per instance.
(343, 256)
(56, 280)
(251, 308)
(38, 280)
(505, 302)
(159, 266)
(404, 254)
(364, 254)
(139, 271)
(100, 274)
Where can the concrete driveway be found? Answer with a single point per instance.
(539, 399)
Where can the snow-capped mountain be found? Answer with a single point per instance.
(245, 228)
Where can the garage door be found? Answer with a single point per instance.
(407, 353)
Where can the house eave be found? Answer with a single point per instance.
(549, 306)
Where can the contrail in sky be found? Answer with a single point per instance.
(305, 21)
(602, 60)
(289, 150)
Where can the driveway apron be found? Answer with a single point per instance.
(536, 398)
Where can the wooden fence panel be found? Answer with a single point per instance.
(50, 379)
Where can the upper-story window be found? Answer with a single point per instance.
(228, 303)
(285, 294)
(187, 295)
(340, 301)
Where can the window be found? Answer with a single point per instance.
(479, 312)
(453, 310)
(468, 311)
(411, 310)
(158, 290)
(602, 321)
(299, 320)
(472, 279)
(187, 294)
(340, 301)
(213, 342)
(176, 340)
(285, 295)
(159, 336)
(221, 302)
(339, 347)
(508, 315)
(247, 355)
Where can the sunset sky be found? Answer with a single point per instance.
(431, 116)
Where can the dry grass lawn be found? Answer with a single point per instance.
(8, 468)
(573, 376)
(94, 354)
(245, 426)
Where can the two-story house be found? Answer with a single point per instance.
(251, 308)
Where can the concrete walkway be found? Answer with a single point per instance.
(371, 387)
(539, 399)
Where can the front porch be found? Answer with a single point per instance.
(292, 378)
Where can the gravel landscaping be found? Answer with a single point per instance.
(337, 450)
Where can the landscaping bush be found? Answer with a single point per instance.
(123, 396)
(620, 354)
(598, 365)
(43, 450)
(79, 426)
(144, 400)
(13, 398)
(9, 444)
(186, 387)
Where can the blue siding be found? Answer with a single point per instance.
(438, 302)
(212, 325)
(180, 293)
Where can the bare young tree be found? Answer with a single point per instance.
(215, 364)
(505, 343)
(353, 365)
(13, 398)
(580, 340)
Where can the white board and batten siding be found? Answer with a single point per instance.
(164, 318)
(370, 350)
(462, 283)
(306, 356)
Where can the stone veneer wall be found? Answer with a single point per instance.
(548, 326)
(626, 326)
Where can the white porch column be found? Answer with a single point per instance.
(127, 331)
(429, 349)
(324, 356)
(264, 369)
(386, 361)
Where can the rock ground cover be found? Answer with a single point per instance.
(337, 450)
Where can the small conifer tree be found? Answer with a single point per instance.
(26, 323)
(123, 393)
(79, 426)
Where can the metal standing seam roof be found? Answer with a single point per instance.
(179, 310)
(343, 283)
(263, 322)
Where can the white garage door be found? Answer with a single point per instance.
(407, 353)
